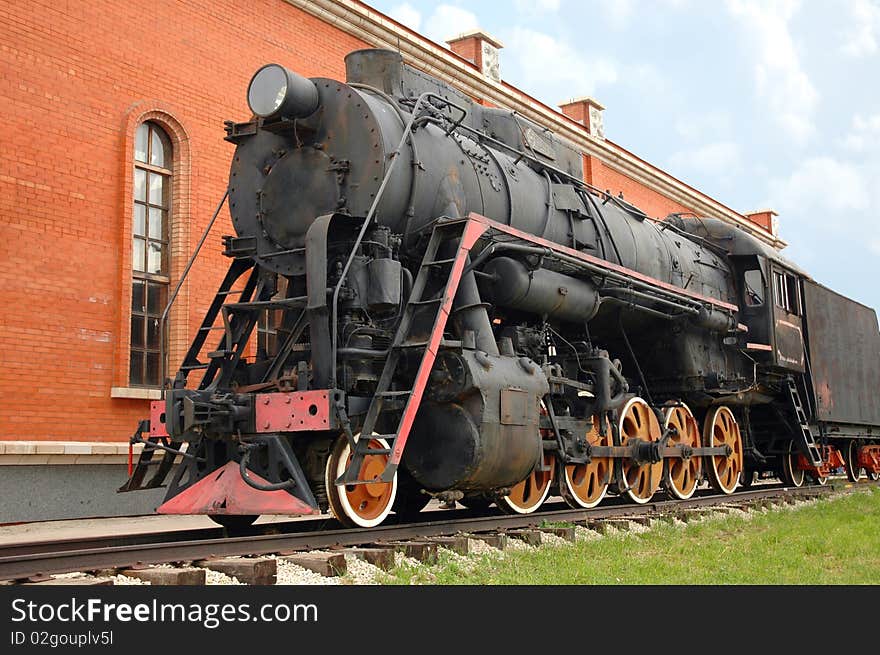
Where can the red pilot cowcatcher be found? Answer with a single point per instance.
(224, 492)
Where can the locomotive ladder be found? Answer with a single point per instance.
(807, 441)
(239, 315)
(409, 338)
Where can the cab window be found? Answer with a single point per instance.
(753, 288)
(786, 292)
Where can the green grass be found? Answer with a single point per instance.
(835, 541)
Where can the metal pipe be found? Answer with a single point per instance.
(613, 291)
(598, 270)
(628, 303)
(243, 470)
(366, 353)
(469, 313)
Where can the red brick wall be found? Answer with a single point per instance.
(75, 78)
(469, 48)
(596, 173)
(649, 201)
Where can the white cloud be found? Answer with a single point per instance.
(865, 134)
(822, 184)
(408, 15)
(862, 39)
(551, 66)
(707, 124)
(447, 21)
(618, 12)
(537, 6)
(720, 159)
(780, 79)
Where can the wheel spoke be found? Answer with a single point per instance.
(721, 429)
(528, 495)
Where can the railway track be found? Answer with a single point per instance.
(37, 559)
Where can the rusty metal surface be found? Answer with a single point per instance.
(789, 338)
(22, 560)
(869, 458)
(844, 347)
(831, 460)
(293, 412)
(157, 414)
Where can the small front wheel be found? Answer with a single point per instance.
(363, 505)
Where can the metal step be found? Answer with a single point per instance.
(374, 451)
(194, 367)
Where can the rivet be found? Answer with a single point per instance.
(287, 400)
(266, 425)
(266, 401)
(288, 424)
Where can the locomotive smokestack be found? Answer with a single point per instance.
(276, 92)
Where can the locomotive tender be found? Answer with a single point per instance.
(445, 309)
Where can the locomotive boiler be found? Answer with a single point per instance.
(426, 300)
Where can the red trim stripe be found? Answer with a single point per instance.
(473, 230)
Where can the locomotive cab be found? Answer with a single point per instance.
(755, 304)
(769, 293)
(788, 329)
(771, 307)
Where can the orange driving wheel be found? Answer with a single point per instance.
(639, 423)
(529, 494)
(721, 429)
(585, 485)
(681, 476)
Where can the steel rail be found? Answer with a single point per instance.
(19, 561)
(325, 522)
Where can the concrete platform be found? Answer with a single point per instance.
(64, 491)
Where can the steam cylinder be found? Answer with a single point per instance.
(542, 291)
(478, 429)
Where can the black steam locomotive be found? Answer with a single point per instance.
(443, 308)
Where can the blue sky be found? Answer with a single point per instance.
(759, 103)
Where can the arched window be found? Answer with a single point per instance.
(150, 251)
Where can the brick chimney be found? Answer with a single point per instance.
(588, 112)
(766, 218)
(481, 49)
